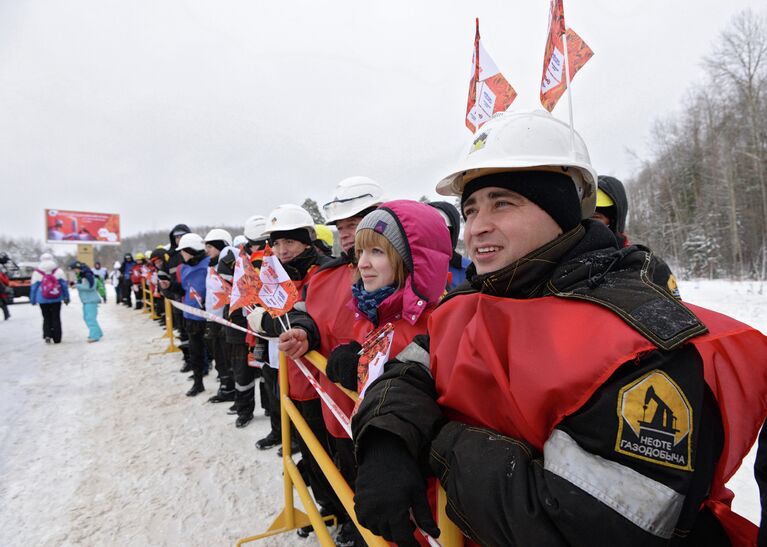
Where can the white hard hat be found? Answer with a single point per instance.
(352, 196)
(254, 228)
(239, 240)
(191, 242)
(525, 141)
(288, 217)
(116, 265)
(219, 234)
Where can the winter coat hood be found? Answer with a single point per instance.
(178, 228)
(47, 266)
(455, 218)
(614, 188)
(427, 242)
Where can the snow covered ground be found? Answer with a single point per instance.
(99, 445)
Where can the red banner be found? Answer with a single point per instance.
(80, 227)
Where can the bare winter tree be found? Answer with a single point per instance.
(701, 199)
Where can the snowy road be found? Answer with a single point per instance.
(99, 445)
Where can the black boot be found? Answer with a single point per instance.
(243, 420)
(270, 441)
(222, 397)
(293, 448)
(198, 387)
(186, 368)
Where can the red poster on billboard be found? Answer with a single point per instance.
(80, 227)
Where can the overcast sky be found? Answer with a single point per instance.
(205, 112)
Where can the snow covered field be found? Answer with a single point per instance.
(99, 445)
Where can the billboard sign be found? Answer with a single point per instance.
(81, 227)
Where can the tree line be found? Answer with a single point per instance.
(700, 200)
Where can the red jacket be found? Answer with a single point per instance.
(513, 337)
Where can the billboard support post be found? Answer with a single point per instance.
(85, 254)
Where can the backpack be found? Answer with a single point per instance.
(49, 286)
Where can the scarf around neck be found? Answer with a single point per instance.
(368, 301)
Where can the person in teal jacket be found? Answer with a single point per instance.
(89, 296)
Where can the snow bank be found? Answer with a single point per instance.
(99, 445)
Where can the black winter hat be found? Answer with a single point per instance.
(217, 243)
(299, 234)
(555, 193)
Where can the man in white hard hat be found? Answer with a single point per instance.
(565, 397)
(193, 272)
(216, 241)
(291, 235)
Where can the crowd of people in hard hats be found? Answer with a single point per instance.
(552, 381)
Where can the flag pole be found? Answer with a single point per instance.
(569, 94)
(477, 83)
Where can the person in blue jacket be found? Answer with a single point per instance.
(49, 289)
(125, 282)
(458, 263)
(90, 297)
(194, 272)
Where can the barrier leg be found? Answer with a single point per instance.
(152, 315)
(291, 518)
(450, 534)
(169, 329)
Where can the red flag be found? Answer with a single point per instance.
(277, 294)
(553, 80)
(495, 93)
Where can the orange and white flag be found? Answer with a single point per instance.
(489, 92)
(553, 80)
(245, 283)
(277, 294)
(217, 292)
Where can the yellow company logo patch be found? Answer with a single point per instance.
(655, 421)
(479, 142)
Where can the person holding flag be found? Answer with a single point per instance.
(234, 264)
(216, 298)
(565, 396)
(193, 273)
(291, 234)
(402, 250)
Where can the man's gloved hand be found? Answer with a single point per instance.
(254, 319)
(342, 364)
(390, 484)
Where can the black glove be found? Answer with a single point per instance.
(342, 364)
(390, 483)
